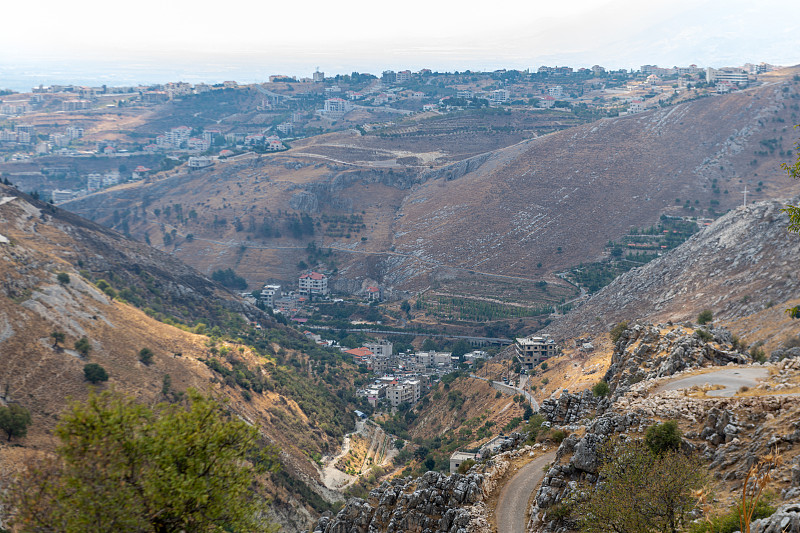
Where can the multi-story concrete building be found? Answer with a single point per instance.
(380, 349)
(533, 350)
(269, 294)
(336, 107)
(408, 391)
(736, 76)
(313, 283)
(94, 182)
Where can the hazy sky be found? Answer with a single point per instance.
(268, 36)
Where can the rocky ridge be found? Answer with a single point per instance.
(737, 266)
(434, 502)
(645, 352)
(730, 434)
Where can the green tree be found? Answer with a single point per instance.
(125, 467)
(793, 170)
(58, 338)
(146, 356)
(601, 389)
(705, 317)
(429, 345)
(460, 348)
(642, 492)
(94, 373)
(14, 420)
(661, 438)
(617, 331)
(63, 278)
(83, 346)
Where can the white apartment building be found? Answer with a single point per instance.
(199, 162)
(94, 182)
(59, 196)
(736, 76)
(636, 106)
(499, 96)
(268, 294)
(336, 107)
(313, 283)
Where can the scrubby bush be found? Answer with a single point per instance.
(704, 335)
(601, 389)
(146, 356)
(94, 373)
(729, 522)
(464, 467)
(14, 420)
(617, 331)
(83, 346)
(705, 317)
(660, 438)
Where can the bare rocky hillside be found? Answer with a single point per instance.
(744, 263)
(51, 263)
(404, 220)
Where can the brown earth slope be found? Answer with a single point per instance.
(554, 200)
(293, 410)
(742, 268)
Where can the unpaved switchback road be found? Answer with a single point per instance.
(512, 507)
(730, 378)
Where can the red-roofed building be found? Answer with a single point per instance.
(138, 172)
(373, 294)
(313, 283)
(547, 102)
(360, 355)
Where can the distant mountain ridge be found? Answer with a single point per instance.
(555, 200)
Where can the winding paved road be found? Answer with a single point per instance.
(512, 507)
(730, 378)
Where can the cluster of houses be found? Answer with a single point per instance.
(311, 286)
(403, 376)
(180, 138)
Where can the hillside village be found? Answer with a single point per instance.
(291, 108)
(416, 286)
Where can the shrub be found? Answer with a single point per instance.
(63, 278)
(705, 317)
(642, 491)
(146, 356)
(660, 438)
(704, 335)
(127, 467)
(94, 373)
(464, 467)
(601, 389)
(83, 346)
(617, 331)
(14, 420)
(729, 522)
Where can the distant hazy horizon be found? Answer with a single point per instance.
(23, 78)
(155, 42)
